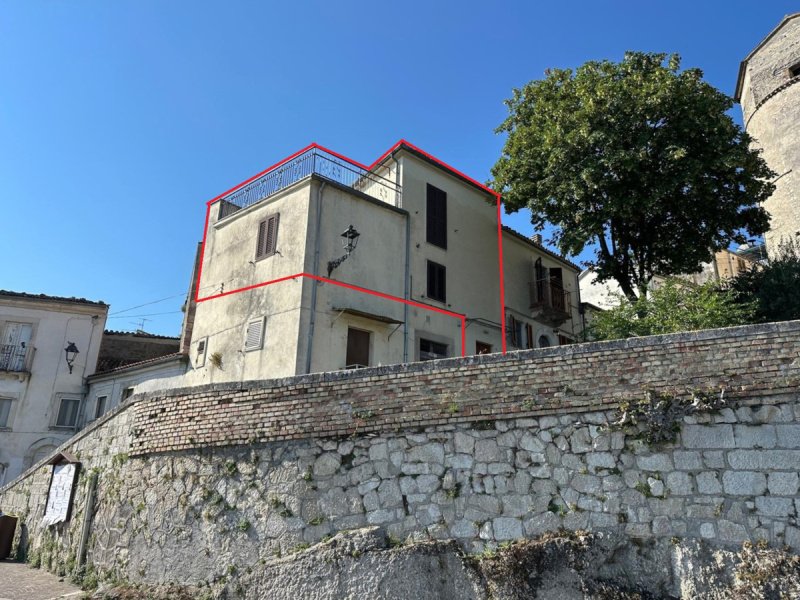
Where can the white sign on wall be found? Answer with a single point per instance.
(59, 497)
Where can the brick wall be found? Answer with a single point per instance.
(747, 361)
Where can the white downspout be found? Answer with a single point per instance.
(314, 282)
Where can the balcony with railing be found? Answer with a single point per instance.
(314, 161)
(15, 358)
(550, 301)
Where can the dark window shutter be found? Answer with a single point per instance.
(262, 234)
(272, 234)
(436, 217)
(267, 238)
(512, 330)
(437, 282)
(528, 335)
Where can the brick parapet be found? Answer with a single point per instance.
(751, 362)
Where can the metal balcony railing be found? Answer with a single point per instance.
(551, 298)
(312, 161)
(14, 357)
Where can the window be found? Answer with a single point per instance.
(254, 335)
(14, 346)
(68, 412)
(544, 341)
(200, 354)
(100, 406)
(357, 348)
(519, 333)
(267, 238)
(483, 348)
(5, 411)
(436, 217)
(564, 340)
(429, 350)
(794, 70)
(127, 393)
(437, 276)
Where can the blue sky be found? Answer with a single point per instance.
(119, 120)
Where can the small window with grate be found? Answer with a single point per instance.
(254, 335)
(267, 238)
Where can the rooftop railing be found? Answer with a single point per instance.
(313, 161)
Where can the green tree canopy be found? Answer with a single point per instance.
(637, 157)
(774, 287)
(672, 307)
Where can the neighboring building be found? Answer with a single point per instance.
(41, 396)
(108, 389)
(122, 348)
(726, 265)
(769, 92)
(427, 234)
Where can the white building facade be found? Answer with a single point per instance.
(281, 295)
(41, 394)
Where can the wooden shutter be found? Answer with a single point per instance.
(529, 335)
(357, 348)
(267, 238)
(254, 335)
(436, 217)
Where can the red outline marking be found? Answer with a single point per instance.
(380, 159)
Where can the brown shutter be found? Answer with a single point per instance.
(529, 335)
(436, 216)
(272, 234)
(267, 238)
(512, 330)
(262, 234)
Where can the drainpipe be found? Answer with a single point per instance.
(407, 274)
(314, 282)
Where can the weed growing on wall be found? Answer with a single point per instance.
(656, 418)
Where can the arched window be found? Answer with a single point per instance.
(544, 342)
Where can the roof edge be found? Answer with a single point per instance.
(737, 94)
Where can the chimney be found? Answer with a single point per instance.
(537, 238)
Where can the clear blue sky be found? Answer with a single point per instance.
(120, 119)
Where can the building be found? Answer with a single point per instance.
(322, 264)
(128, 359)
(768, 91)
(725, 265)
(49, 346)
(110, 388)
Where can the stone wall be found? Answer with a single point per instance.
(203, 484)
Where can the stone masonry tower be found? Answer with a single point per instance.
(768, 89)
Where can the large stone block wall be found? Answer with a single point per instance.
(497, 448)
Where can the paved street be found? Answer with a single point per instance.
(21, 582)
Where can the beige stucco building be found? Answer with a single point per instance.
(41, 396)
(768, 89)
(275, 302)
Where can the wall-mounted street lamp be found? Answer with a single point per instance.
(349, 242)
(71, 351)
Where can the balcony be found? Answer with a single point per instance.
(314, 161)
(15, 358)
(550, 302)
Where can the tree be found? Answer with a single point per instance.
(774, 287)
(672, 307)
(637, 157)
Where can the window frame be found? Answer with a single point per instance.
(267, 246)
(437, 356)
(9, 413)
(436, 216)
(349, 365)
(201, 351)
(61, 401)
(438, 269)
(98, 404)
